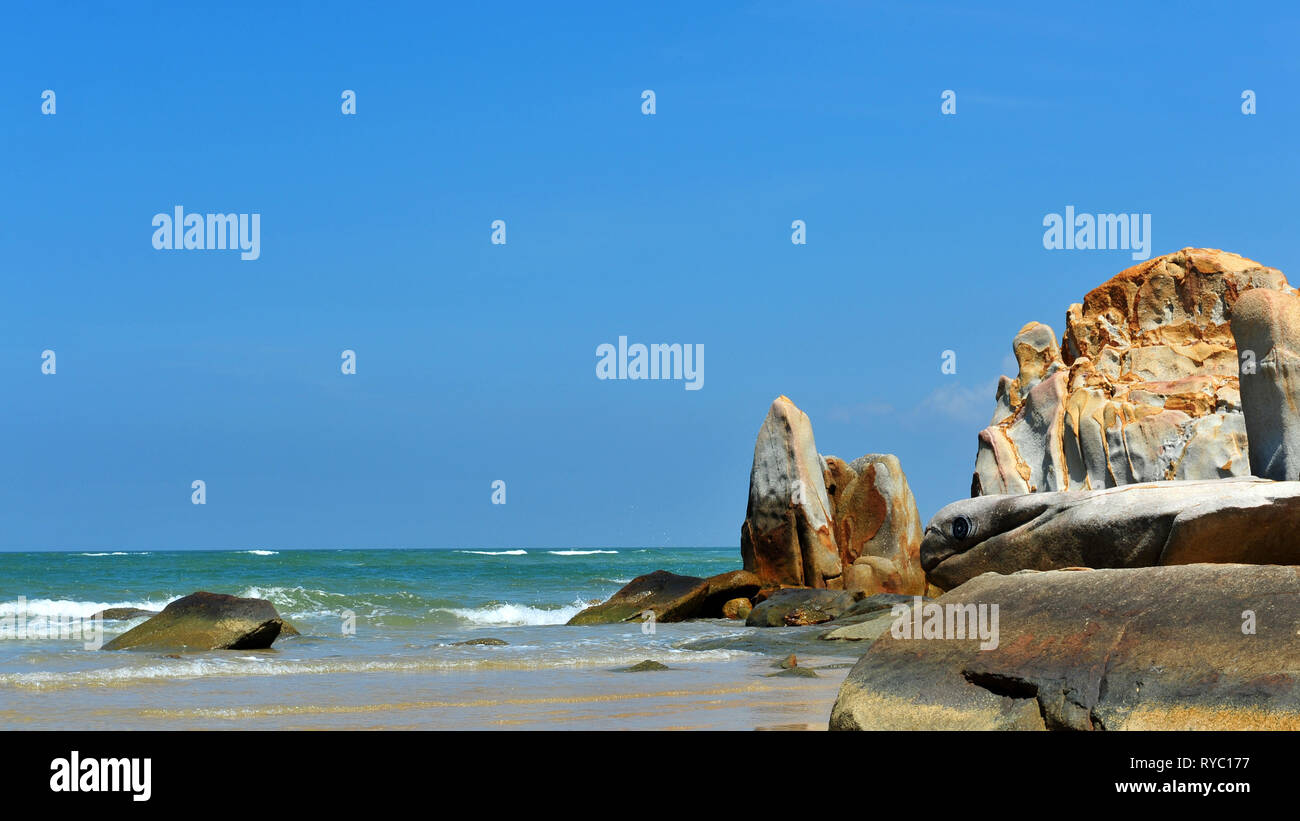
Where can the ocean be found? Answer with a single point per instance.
(378, 645)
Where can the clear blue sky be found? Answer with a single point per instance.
(477, 362)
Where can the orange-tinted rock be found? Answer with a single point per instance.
(1143, 387)
(820, 522)
(737, 609)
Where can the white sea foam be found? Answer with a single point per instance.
(118, 553)
(37, 615)
(516, 614)
(208, 666)
(261, 552)
(496, 552)
(578, 552)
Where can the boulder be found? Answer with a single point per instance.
(876, 524)
(1190, 647)
(820, 522)
(205, 621)
(794, 606)
(733, 585)
(1266, 325)
(123, 613)
(737, 609)
(484, 642)
(786, 538)
(1245, 520)
(1143, 387)
(671, 597)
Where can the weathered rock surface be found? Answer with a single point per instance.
(872, 605)
(1266, 325)
(726, 587)
(671, 597)
(206, 621)
(485, 642)
(1149, 648)
(1143, 387)
(123, 613)
(864, 628)
(876, 524)
(795, 606)
(786, 537)
(1245, 519)
(825, 523)
(737, 609)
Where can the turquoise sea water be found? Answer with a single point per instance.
(378, 645)
(386, 588)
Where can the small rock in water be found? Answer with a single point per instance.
(797, 672)
(123, 613)
(787, 662)
(643, 667)
(490, 642)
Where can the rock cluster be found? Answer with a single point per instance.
(820, 522)
(1143, 387)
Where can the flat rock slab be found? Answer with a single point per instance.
(794, 607)
(1138, 649)
(869, 628)
(205, 621)
(1243, 520)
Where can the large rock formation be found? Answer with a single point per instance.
(1142, 388)
(1246, 520)
(822, 522)
(786, 537)
(671, 597)
(205, 621)
(1266, 325)
(1169, 648)
(876, 524)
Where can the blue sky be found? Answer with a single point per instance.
(477, 361)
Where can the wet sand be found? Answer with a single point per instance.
(728, 695)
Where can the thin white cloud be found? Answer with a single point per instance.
(961, 403)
